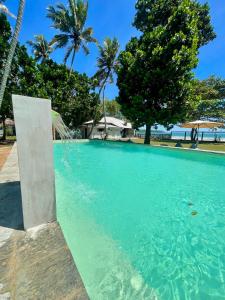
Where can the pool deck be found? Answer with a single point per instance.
(34, 264)
(4, 152)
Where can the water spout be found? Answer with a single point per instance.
(60, 127)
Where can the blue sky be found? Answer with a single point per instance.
(114, 19)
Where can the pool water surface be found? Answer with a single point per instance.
(143, 222)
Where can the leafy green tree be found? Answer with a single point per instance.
(80, 102)
(53, 81)
(208, 101)
(46, 80)
(106, 63)
(12, 48)
(155, 70)
(71, 25)
(112, 108)
(41, 48)
(211, 99)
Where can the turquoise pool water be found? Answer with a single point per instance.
(143, 222)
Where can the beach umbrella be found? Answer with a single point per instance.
(202, 124)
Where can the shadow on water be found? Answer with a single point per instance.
(11, 214)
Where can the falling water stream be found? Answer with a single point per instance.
(60, 127)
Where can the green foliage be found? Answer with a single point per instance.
(151, 14)
(41, 48)
(113, 109)
(70, 22)
(155, 70)
(210, 95)
(71, 93)
(106, 62)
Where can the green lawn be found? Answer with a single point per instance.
(186, 144)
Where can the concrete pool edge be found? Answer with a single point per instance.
(35, 258)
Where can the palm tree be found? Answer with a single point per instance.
(41, 48)
(71, 23)
(12, 48)
(106, 63)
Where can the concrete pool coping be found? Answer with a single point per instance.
(138, 144)
(37, 263)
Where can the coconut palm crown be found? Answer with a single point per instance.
(70, 22)
(107, 60)
(41, 48)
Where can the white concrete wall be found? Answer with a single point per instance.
(35, 154)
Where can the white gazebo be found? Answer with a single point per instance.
(115, 128)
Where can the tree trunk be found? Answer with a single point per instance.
(95, 113)
(148, 134)
(104, 113)
(4, 129)
(194, 134)
(72, 61)
(8, 63)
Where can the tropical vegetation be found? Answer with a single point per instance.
(41, 48)
(106, 63)
(72, 94)
(155, 70)
(70, 22)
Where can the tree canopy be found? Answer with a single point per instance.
(155, 70)
(113, 109)
(72, 94)
(40, 47)
(209, 99)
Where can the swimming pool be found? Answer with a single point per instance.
(143, 222)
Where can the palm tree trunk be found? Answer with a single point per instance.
(72, 61)
(95, 113)
(8, 63)
(104, 112)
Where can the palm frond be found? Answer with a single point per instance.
(81, 12)
(85, 49)
(107, 59)
(87, 35)
(40, 47)
(70, 21)
(60, 40)
(60, 18)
